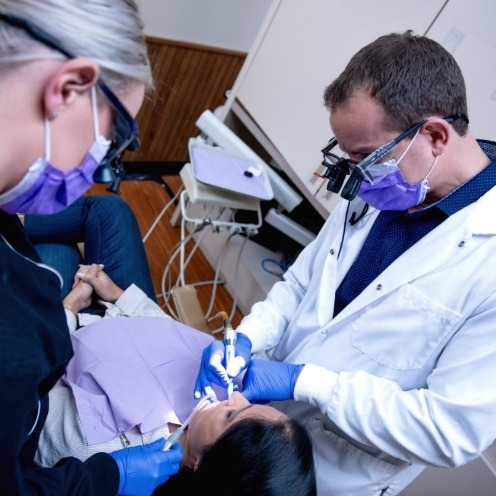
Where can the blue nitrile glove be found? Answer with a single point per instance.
(266, 380)
(212, 367)
(143, 468)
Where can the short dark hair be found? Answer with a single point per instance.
(412, 77)
(254, 457)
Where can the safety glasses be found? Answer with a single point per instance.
(125, 127)
(125, 137)
(338, 167)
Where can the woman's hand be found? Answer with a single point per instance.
(104, 287)
(79, 297)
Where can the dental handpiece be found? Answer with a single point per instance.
(174, 437)
(230, 343)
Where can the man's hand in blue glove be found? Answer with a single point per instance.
(212, 367)
(143, 468)
(266, 380)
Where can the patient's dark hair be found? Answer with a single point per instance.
(254, 457)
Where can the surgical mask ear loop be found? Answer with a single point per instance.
(94, 109)
(96, 126)
(430, 170)
(404, 153)
(48, 141)
(408, 147)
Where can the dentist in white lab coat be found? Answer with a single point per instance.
(381, 338)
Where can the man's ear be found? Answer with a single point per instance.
(73, 78)
(438, 132)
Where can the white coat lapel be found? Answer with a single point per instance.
(334, 270)
(434, 249)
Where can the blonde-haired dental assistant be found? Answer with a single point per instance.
(72, 77)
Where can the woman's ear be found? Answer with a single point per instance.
(72, 79)
(438, 133)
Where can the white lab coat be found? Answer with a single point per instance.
(405, 375)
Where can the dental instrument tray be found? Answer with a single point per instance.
(216, 167)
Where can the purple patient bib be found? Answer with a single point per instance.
(134, 372)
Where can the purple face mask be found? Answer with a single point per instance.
(48, 190)
(386, 189)
(393, 191)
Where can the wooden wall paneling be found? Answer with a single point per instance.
(189, 79)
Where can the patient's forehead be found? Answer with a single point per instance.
(262, 411)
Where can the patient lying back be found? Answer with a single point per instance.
(131, 381)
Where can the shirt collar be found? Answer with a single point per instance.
(475, 187)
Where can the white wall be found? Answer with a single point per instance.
(230, 24)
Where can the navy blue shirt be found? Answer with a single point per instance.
(34, 352)
(394, 232)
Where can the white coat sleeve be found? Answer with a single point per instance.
(447, 423)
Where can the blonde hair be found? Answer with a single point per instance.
(110, 32)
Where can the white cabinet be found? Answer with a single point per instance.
(467, 30)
